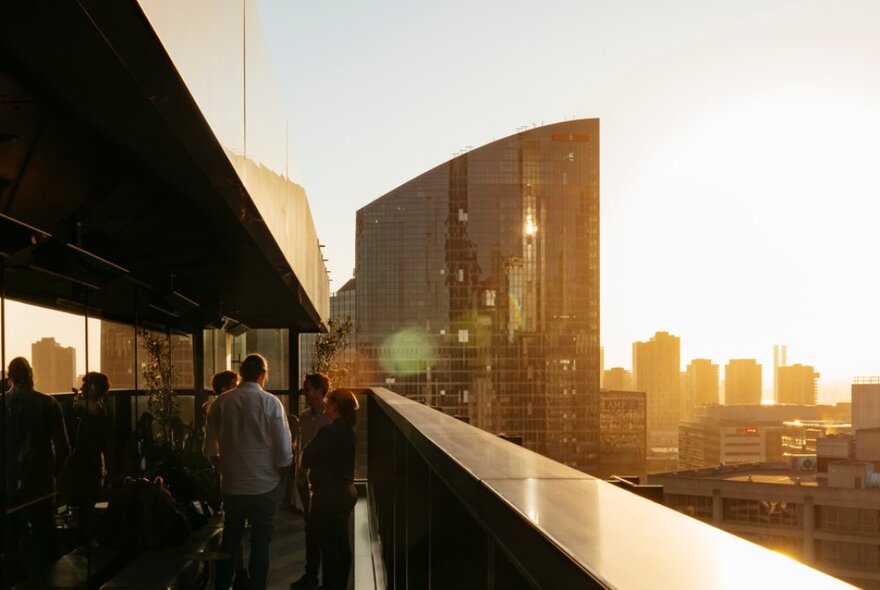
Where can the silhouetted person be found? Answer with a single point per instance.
(330, 461)
(221, 383)
(37, 448)
(315, 387)
(90, 435)
(247, 436)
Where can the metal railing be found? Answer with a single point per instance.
(456, 507)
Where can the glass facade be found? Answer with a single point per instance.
(220, 52)
(622, 433)
(478, 289)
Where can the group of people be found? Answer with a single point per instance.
(248, 439)
(39, 452)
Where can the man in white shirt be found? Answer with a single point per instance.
(248, 438)
(315, 386)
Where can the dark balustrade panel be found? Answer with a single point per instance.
(457, 507)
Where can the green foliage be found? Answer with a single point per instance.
(158, 371)
(327, 349)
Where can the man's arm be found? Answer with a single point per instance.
(281, 441)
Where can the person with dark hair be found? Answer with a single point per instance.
(330, 461)
(315, 386)
(224, 381)
(221, 382)
(248, 438)
(82, 479)
(37, 448)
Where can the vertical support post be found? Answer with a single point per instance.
(417, 523)
(717, 507)
(459, 546)
(809, 530)
(399, 494)
(199, 393)
(3, 388)
(294, 376)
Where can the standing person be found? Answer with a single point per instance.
(330, 461)
(37, 448)
(315, 387)
(247, 437)
(221, 383)
(90, 437)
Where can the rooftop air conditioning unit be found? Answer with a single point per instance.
(804, 463)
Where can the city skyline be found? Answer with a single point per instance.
(27, 323)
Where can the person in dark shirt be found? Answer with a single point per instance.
(329, 459)
(90, 435)
(37, 448)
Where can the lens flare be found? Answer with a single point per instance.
(406, 352)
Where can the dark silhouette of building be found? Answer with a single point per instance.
(478, 289)
(622, 433)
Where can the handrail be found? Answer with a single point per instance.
(557, 526)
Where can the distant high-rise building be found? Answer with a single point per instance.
(702, 383)
(54, 366)
(478, 289)
(779, 360)
(742, 382)
(343, 306)
(657, 372)
(118, 358)
(617, 379)
(866, 403)
(622, 433)
(797, 385)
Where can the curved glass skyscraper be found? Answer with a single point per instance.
(478, 289)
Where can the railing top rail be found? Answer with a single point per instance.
(616, 537)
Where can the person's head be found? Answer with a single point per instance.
(20, 372)
(95, 386)
(254, 368)
(316, 386)
(224, 381)
(341, 403)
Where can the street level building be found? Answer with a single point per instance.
(478, 289)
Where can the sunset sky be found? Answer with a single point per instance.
(739, 184)
(739, 180)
